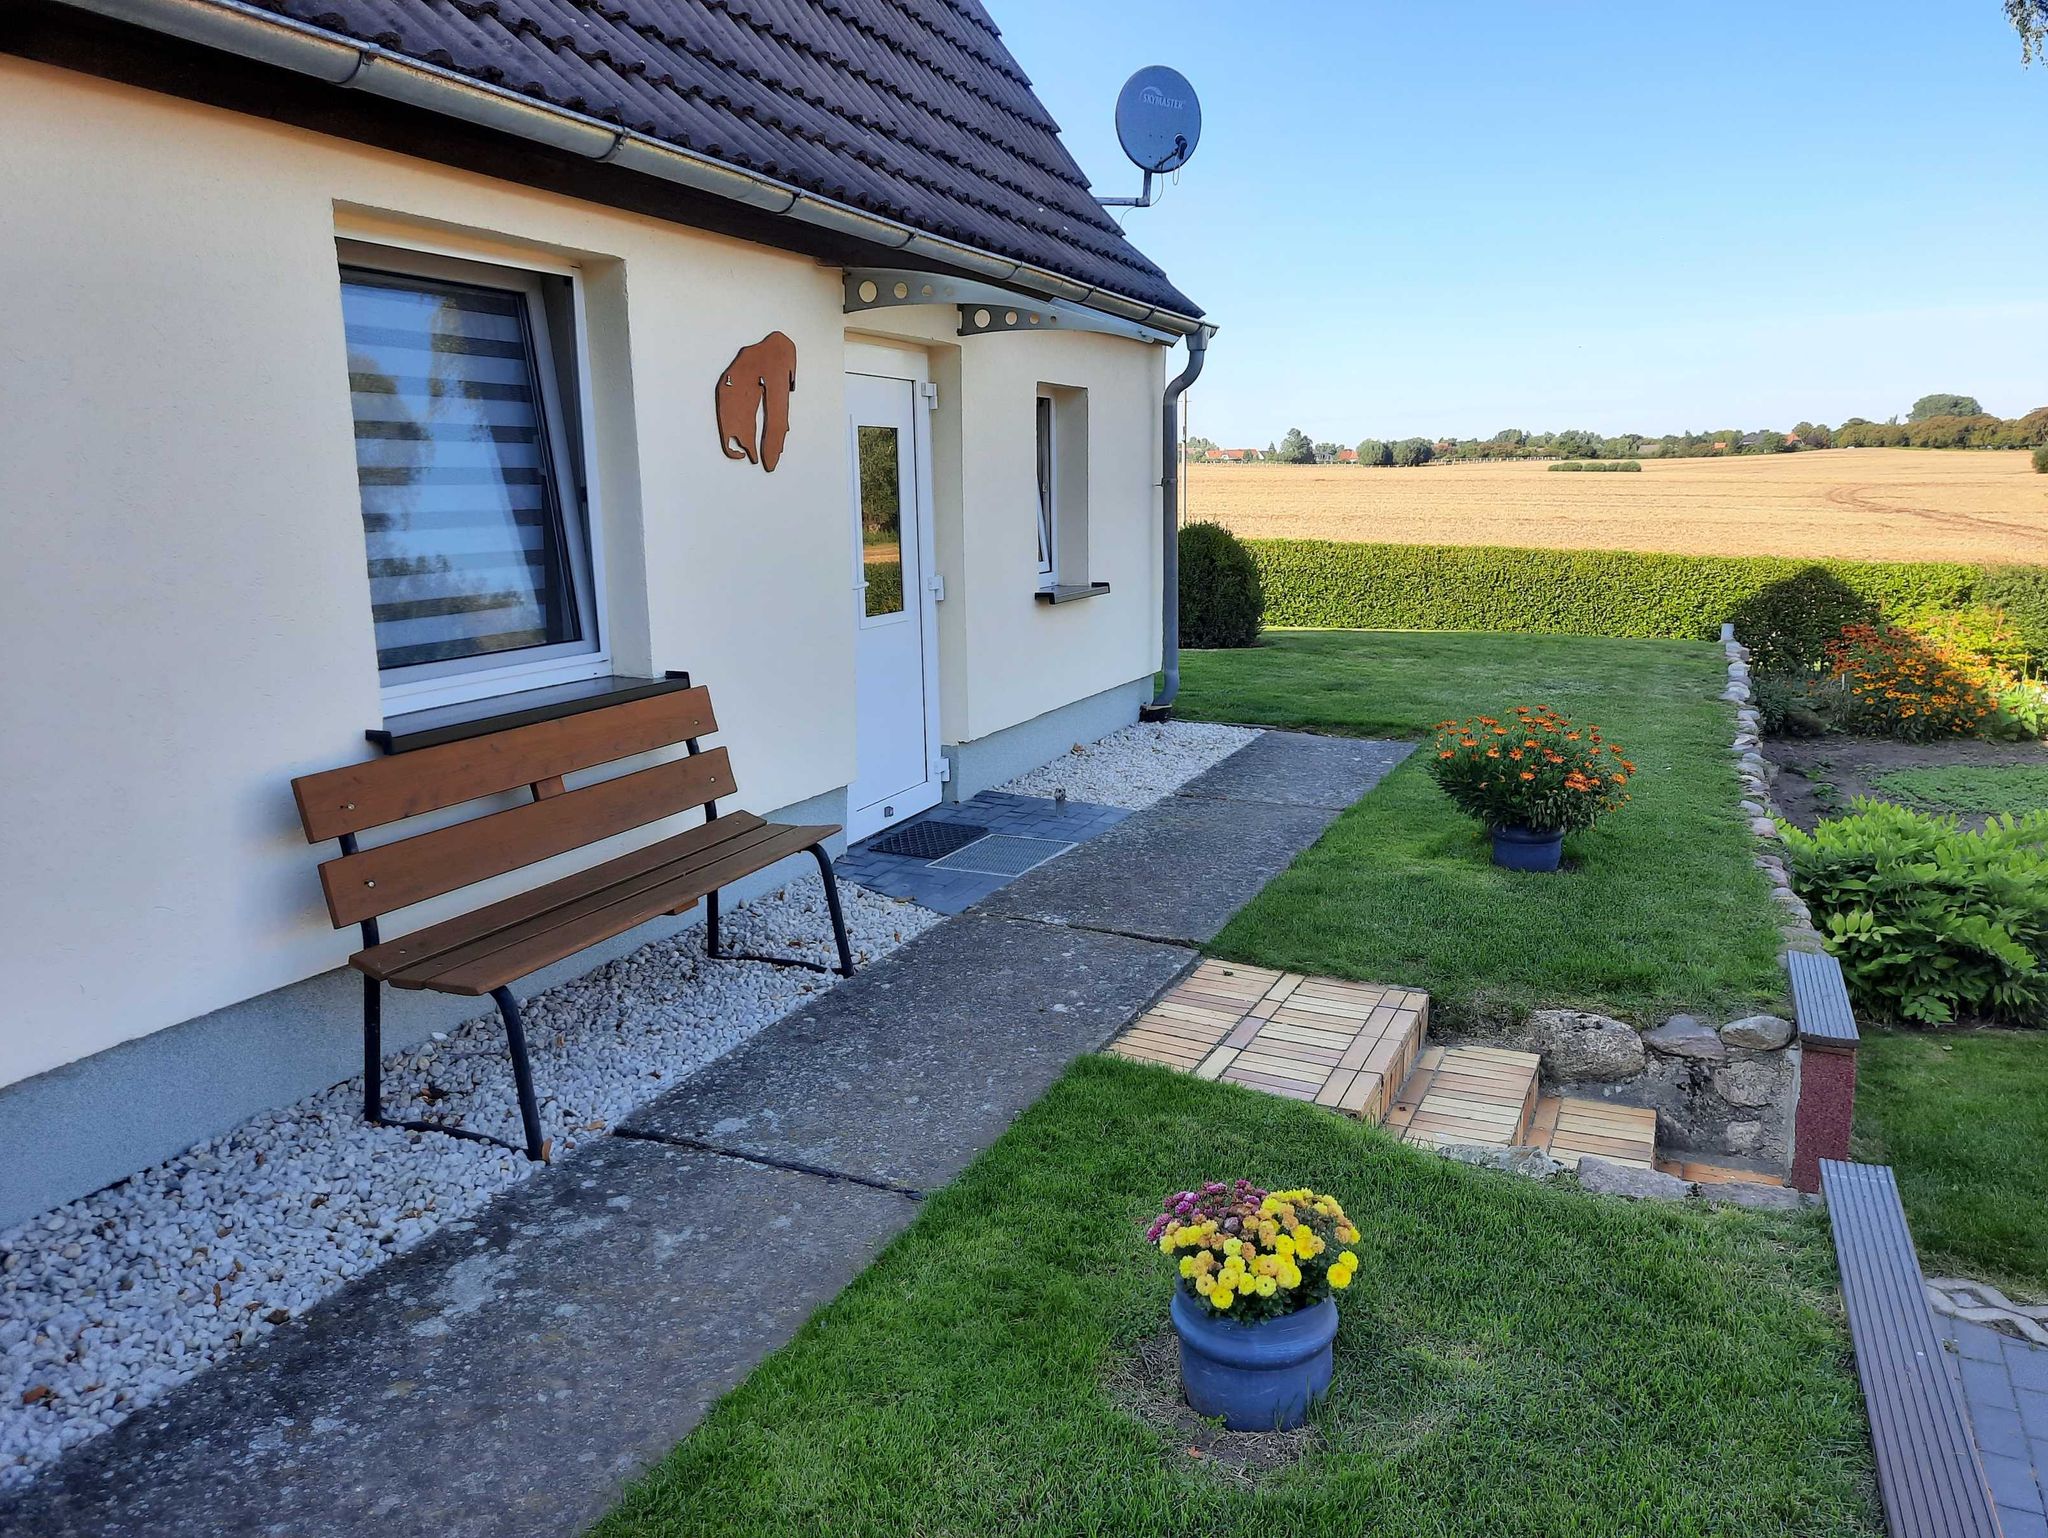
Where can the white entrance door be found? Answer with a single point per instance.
(894, 613)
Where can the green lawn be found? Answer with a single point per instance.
(1960, 1116)
(1665, 911)
(1514, 1359)
(2016, 788)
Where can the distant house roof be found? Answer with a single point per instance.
(1347, 456)
(909, 109)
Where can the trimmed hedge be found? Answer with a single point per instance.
(1326, 584)
(1220, 600)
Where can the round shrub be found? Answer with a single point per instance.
(1222, 601)
(2041, 460)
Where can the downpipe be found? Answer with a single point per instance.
(1161, 707)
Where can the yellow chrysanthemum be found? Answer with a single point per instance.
(1222, 1297)
(1340, 1277)
(1265, 1286)
(1232, 1246)
(1291, 1277)
(1204, 1283)
(1348, 1261)
(1187, 1265)
(1283, 1245)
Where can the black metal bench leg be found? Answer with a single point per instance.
(522, 1070)
(831, 880)
(711, 925)
(373, 1051)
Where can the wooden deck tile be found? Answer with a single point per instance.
(1469, 1095)
(1626, 1134)
(1341, 1044)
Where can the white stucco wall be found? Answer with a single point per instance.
(183, 602)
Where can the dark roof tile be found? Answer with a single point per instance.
(909, 109)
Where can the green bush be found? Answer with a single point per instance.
(1623, 465)
(1222, 599)
(1931, 924)
(1341, 586)
(2041, 460)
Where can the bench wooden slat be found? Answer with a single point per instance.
(650, 892)
(397, 875)
(1927, 1468)
(384, 962)
(1820, 1000)
(542, 942)
(385, 790)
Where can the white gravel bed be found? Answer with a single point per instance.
(1136, 765)
(112, 1300)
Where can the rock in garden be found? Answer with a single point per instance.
(1763, 827)
(1745, 1193)
(1683, 1036)
(1604, 1177)
(1532, 1162)
(1743, 1137)
(1763, 1033)
(1575, 1045)
(1748, 1083)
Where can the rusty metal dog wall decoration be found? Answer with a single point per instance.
(753, 400)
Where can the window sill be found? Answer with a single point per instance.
(1057, 594)
(476, 718)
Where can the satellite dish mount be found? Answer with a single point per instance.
(1159, 123)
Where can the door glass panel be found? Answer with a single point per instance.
(881, 519)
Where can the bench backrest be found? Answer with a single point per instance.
(340, 803)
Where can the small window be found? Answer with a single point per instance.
(881, 521)
(479, 556)
(1048, 523)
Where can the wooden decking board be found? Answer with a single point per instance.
(1927, 1468)
(1342, 1043)
(1469, 1095)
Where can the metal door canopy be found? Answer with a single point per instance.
(985, 307)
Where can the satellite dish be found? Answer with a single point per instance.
(1158, 119)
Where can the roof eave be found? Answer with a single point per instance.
(264, 37)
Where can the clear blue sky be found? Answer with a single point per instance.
(1425, 218)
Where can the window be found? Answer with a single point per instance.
(1048, 556)
(881, 522)
(482, 575)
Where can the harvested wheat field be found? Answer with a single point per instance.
(1854, 504)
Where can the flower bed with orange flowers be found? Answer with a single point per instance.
(1892, 682)
(1534, 769)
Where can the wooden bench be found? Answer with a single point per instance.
(1927, 1468)
(492, 947)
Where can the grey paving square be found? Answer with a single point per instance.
(2033, 1408)
(1999, 1431)
(2028, 1364)
(1978, 1341)
(2012, 1482)
(2022, 1524)
(1987, 1383)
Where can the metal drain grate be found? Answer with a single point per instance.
(926, 840)
(1002, 854)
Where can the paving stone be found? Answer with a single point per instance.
(1987, 1383)
(506, 1378)
(905, 1072)
(2027, 1363)
(1176, 871)
(1975, 1340)
(1999, 1431)
(2022, 1524)
(2012, 1483)
(2033, 1407)
(1299, 769)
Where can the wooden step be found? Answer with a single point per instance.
(1320, 1039)
(1568, 1130)
(1482, 1095)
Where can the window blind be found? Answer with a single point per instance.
(461, 516)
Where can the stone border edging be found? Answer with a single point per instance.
(1757, 806)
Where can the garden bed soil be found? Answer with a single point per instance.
(1819, 776)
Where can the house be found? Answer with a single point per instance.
(1234, 456)
(1347, 456)
(377, 368)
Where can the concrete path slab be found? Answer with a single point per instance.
(1299, 769)
(904, 1074)
(507, 1378)
(1178, 870)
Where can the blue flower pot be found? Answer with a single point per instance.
(1527, 848)
(1258, 1377)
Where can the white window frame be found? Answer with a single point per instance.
(464, 679)
(1045, 413)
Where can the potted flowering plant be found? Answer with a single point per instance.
(1530, 780)
(1254, 1302)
